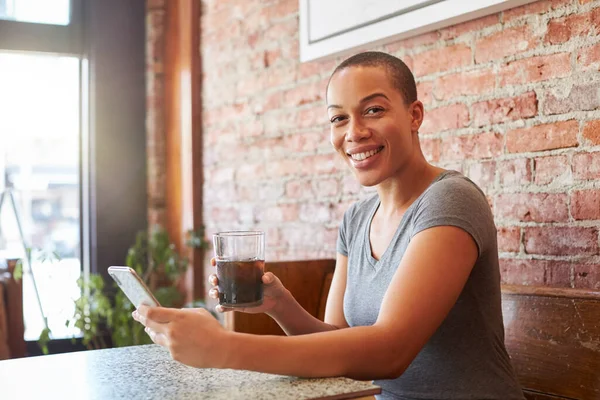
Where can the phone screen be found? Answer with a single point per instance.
(133, 286)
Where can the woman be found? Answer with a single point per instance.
(415, 299)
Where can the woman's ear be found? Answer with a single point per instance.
(417, 113)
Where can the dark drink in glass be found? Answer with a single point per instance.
(240, 258)
(240, 283)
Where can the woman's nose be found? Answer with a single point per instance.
(356, 132)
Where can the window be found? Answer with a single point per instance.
(40, 158)
(54, 12)
(39, 161)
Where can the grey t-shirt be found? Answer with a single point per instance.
(466, 357)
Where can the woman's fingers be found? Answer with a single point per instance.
(213, 280)
(213, 262)
(213, 293)
(220, 309)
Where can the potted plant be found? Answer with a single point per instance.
(157, 262)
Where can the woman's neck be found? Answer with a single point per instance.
(398, 192)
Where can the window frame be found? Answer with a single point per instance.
(45, 38)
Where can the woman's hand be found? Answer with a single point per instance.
(274, 294)
(192, 335)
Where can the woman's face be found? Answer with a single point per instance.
(371, 126)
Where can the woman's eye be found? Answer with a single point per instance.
(336, 119)
(374, 110)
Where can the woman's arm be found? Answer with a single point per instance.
(417, 301)
(295, 320)
(429, 279)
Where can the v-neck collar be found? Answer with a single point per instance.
(366, 234)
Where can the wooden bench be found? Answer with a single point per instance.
(552, 335)
(553, 338)
(308, 281)
(12, 328)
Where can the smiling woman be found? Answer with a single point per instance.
(400, 310)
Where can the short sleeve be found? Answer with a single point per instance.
(456, 201)
(342, 242)
(343, 239)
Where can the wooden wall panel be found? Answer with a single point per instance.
(183, 133)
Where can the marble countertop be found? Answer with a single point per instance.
(148, 372)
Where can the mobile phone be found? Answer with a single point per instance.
(133, 286)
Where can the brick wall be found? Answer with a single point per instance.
(512, 101)
(155, 111)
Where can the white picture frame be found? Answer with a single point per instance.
(329, 28)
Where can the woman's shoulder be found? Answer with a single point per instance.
(453, 185)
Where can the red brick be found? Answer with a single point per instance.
(322, 164)
(504, 110)
(465, 83)
(586, 166)
(220, 175)
(282, 9)
(220, 192)
(478, 24)
(536, 69)
(454, 116)
(250, 172)
(349, 186)
(280, 122)
(296, 235)
(224, 214)
(535, 272)
(514, 172)
(561, 241)
(302, 142)
(532, 207)
(414, 41)
(312, 68)
(548, 169)
(483, 174)
(591, 131)
(281, 75)
(286, 30)
(483, 145)
(563, 29)
(442, 59)
(311, 117)
(505, 43)
(317, 213)
(268, 191)
(152, 4)
(584, 97)
(586, 276)
(509, 239)
(278, 213)
(425, 91)
(327, 187)
(543, 137)
(298, 189)
(305, 94)
(589, 58)
(431, 149)
(283, 167)
(537, 7)
(585, 204)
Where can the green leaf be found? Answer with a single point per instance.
(44, 339)
(18, 272)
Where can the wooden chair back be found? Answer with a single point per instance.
(309, 283)
(553, 338)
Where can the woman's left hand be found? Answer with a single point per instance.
(192, 335)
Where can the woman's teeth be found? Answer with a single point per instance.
(363, 156)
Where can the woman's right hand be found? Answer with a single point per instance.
(274, 294)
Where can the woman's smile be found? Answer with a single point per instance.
(364, 156)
